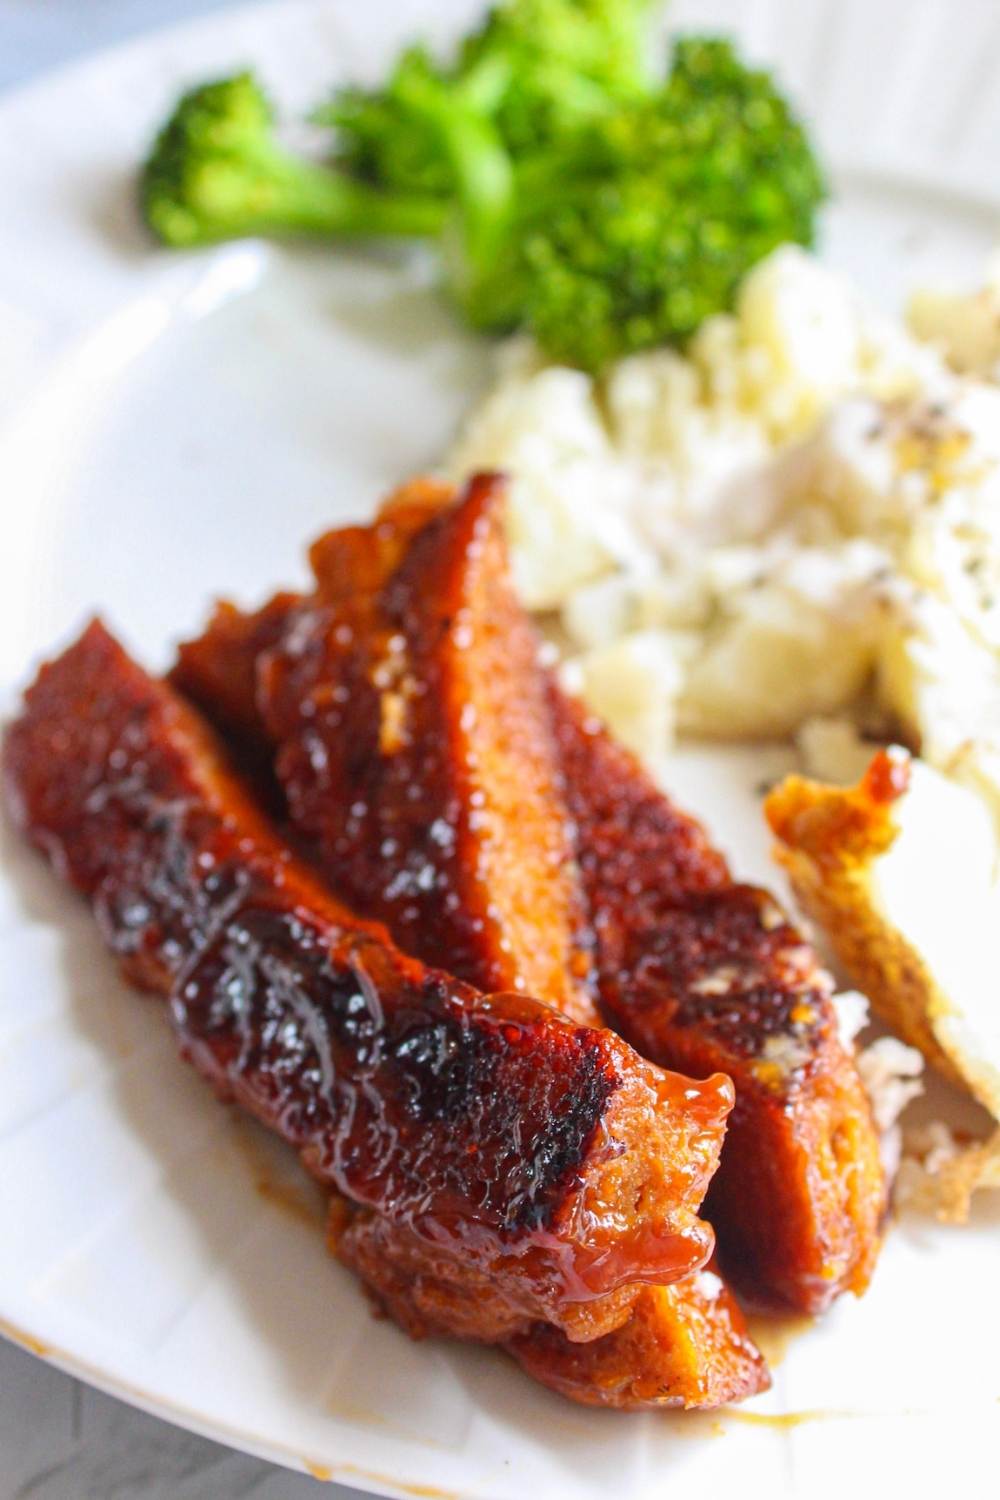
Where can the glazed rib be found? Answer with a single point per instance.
(414, 750)
(685, 1348)
(545, 1161)
(684, 1345)
(421, 770)
(700, 973)
(218, 670)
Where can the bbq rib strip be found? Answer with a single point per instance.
(698, 972)
(684, 1345)
(544, 1161)
(414, 749)
(412, 740)
(219, 669)
(494, 784)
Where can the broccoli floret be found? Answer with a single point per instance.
(217, 171)
(377, 139)
(625, 230)
(665, 206)
(571, 61)
(633, 229)
(539, 68)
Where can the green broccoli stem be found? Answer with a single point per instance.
(270, 191)
(484, 85)
(340, 206)
(478, 242)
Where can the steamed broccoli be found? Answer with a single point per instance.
(571, 194)
(539, 68)
(571, 61)
(217, 171)
(664, 208)
(635, 229)
(480, 244)
(377, 140)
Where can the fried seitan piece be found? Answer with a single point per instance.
(684, 1345)
(701, 973)
(222, 664)
(218, 669)
(550, 1168)
(837, 844)
(356, 560)
(829, 839)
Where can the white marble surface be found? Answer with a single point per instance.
(61, 1440)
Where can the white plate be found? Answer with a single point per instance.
(171, 426)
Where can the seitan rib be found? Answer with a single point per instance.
(546, 1160)
(703, 974)
(414, 750)
(689, 1349)
(685, 1345)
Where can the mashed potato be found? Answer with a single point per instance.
(800, 517)
(965, 328)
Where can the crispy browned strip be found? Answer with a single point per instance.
(828, 838)
(545, 1159)
(701, 974)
